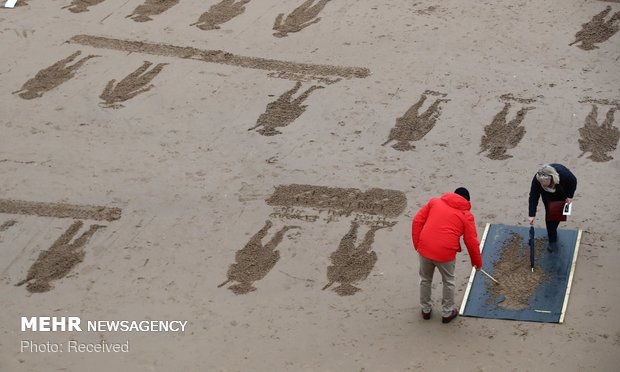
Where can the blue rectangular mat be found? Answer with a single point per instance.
(540, 295)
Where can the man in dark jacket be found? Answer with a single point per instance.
(436, 232)
(553, 182)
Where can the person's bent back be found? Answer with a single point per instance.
(439, 225)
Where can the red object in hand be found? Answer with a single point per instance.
(555, 209)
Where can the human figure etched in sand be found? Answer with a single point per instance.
(499, 136)
(302, 17)
(51, 77)
(283, 111)
(255, 260)
(413, 126)
(59, 259)
(219, 13)
(351, 263)
(512, 269)
(132, 85)
(597, 30)
(599, 140)
(79, 6)
(143, 12)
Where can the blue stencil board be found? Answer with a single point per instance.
(548, 303)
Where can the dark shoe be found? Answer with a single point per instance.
(448, 319)
(552, 247)
(426, 316)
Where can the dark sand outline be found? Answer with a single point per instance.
(59, 210)
(218, 56)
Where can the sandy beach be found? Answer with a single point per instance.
(252, 167)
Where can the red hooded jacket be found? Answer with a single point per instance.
(437, 229)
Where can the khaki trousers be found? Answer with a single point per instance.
(446, 269)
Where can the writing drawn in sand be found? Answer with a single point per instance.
(60, 210)
(219, 56)
(385, 202)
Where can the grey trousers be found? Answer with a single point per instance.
(446, 269)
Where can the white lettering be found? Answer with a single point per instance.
(29, 323)
(128, 325)
(100, 347)
(44, 324)
(113, 325)
(58, 322)
(145, 326)
(183, 323)
(74, 324)
(27, 346)
(50, 324)
(133, 327)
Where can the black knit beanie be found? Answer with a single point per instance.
(463, 192)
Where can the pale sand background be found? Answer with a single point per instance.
(191, 181)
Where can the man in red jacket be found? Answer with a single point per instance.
(436, 231)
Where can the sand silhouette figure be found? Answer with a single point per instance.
(500, 136)
(132, 85)
(283, 111)
(220, 13)
(302, 17)
(79, 6)
(59, 259)
(350, 263)
(599, 140)
(51, 77)
(413, 126)
(597, 30)
(254, 261)
(143, 12)
(512, 270)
